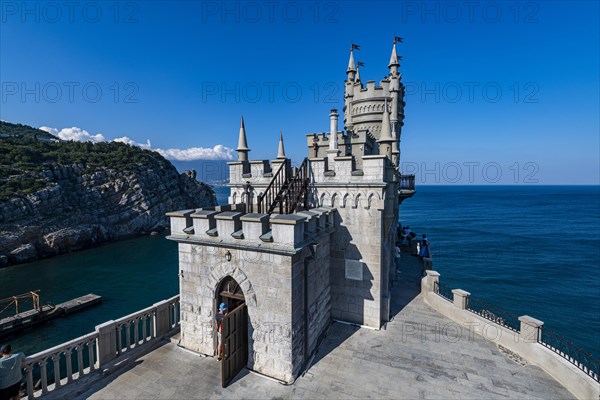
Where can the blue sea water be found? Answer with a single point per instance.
(532, 250)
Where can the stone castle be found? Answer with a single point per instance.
(299, 247)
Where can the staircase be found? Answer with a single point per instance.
(286, 192)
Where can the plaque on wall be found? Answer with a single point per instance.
(354, 270)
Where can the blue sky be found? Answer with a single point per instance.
(497, 92)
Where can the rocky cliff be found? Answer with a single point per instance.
(82, 205)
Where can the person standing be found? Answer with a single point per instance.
(10, 373)
(219, 322)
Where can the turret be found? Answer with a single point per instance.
(242, 148)
(349, 91)
(386, 140)
(395, 93)
(281, 150)
(393, 65)
(351, 67)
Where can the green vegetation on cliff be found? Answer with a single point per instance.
(26, 152)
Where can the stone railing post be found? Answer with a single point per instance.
(433, 277)
(106, 346)
(531, 329)
(162, 320)
(461, 298)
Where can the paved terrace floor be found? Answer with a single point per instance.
(406, 360)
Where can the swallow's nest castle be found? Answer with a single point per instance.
(298, 248)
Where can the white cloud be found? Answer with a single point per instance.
(75, 134)
(131, 142)
(219, 152)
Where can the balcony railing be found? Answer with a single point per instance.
(70, 361)
(407, 182)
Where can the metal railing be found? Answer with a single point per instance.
(297, 189)
(444, 291)
(495, 314)
(283, 193)
(269, 198)
(565, 348)
(407, 182)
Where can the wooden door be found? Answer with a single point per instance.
(234, 334)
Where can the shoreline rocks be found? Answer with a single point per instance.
(82, 208)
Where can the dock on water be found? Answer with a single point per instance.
(40, 314)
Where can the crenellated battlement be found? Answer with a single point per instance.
(228, 226)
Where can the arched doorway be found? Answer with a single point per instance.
(234, 330)
(230, 293)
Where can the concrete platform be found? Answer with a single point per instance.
(420, 354)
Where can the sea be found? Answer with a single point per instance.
(531, 250)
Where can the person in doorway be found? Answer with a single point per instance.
(10, 373)
(219, 322)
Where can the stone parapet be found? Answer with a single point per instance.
(235, 227)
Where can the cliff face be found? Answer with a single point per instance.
(81, 209)
(57, 196)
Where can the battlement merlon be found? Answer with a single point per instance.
(374, 169)
(257, 172)
(227, 227)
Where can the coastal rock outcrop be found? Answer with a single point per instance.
(81, 207)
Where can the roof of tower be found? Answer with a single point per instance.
(351, 66)
(281, 149)
(242, 142)
(386, 132)
(394, 57)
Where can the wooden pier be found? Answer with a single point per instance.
(27, 319)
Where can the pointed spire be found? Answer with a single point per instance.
(281, 150)
(394, 57)
(242, 148)
(386, 132)
(351, 66)
(357, 79)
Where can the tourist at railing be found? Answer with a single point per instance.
(11, 375)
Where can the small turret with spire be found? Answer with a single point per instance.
(386, 139)
(281, 149)
(242, 148)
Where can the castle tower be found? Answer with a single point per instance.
(297, 248)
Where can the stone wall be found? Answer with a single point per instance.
(276, 261)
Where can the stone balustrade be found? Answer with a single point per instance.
(72, 360)
(41, 362)
(525, 340)
(229, 228)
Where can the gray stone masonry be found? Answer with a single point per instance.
(285, 281)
